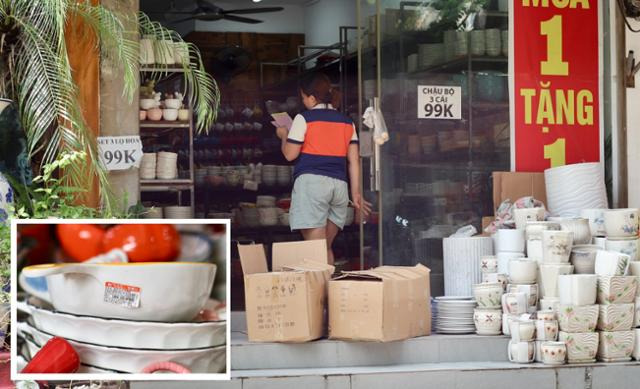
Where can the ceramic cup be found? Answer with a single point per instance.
(510, 241)
(548, 280)
(578, 289)
(487, 321)
(522, 330)
(488, 295)
(556, 246)
(546, 329)
(489, 264)
(553, 353)
(515, 303)
(495, 277)
(531, 290)
(611, 263)
(523, 271)
(524, 215)
(505, 257)
(521, 352)
(581, 346)
(533, 230)
(621, 223)
(624, 246)
(596, 220)
(583, 258)
(534, 250)
(546, 315)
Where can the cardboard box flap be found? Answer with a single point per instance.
(515, 185)
(405, 272)
(252, 258)
(370, 275)
(308, 265)
(292, 253)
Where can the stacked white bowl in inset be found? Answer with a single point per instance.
(167, 166)
(493, 42)
(572, 188)
(178, 212)
(461, 43)
(148, 166)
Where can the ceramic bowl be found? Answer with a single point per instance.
(610, 263)
(496, 277)
(524, 215)
(523, 271)
(531, 290)
(556, 246)
(583, 258)
(488, 321)
(488, 295)
(533, 230)
(616, 346)
(505, 257)
(624, 246)
(183, 115)
(617, 289)
(577, 289)
(621, 223)
(553, 353)
(143, 115)
(170, 114)
(582, 347)
(154, 114)
(510, 241)
(616, 317)
(146, 104)
(574, 318)
(596, 220)
(548, 279)
(172, 103)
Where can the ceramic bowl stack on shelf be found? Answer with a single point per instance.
(283, 175)
(455, 315)
(477, 43)
(148, 166)
(504, 34)
(167, 166)
(178, 212)
(493, 41)
(487, 316)
(269, 175)
(430, 54)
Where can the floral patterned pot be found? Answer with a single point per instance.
(582, 347)
(488, 295)
(488, 321)
(617, 289)
(6, 198)
(616, 317)
(576, 318)
(621, 223)
(616, 346)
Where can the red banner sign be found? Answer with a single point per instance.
(556, 90)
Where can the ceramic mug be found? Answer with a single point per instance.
(523, 271)
(524, 215)
(547, 315)
(553, 353)
(495, 277)
(515, 303)
(488, 264)
(510, 241)
(578, 289)
(624, 246)
(531, 290)
(521, 352)
(556, 246)
(546, 329)
(505, 257)
(621, 223)
(596, 220)
(611, 263)
(522, 330)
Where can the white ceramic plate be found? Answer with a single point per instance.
(127, 333)
(203, 360)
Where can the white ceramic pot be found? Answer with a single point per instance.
(524, 215)
(553, 353)
(162, 291)
(489, 264)
(488, 295)
(616, 317)
(500, 278)
(583, 258)
(507, 318)
(538, 356)
(522, 330)
(510, 241)
(579, 227)
(534, 250)
(572, 188)
(488, 321)
(556, 246)
(546, 329)
(548, 281)
(146, 104)
(575, 318)
(533, 230)
(504, 258)
(616, 346)
(521, 352)
(523, 271)
(611, 263)
(621, 223)
(172, 103)
(624, 246)
(600, 241)
(547, 315)
(582, 347)
(164, 52)
(617, 289)
(531, 290)
(147, 56)
(549, 304)
(170, 114)
(596, 220)
(515, 303)
(636, 348)
(183, 115)
(578, 289)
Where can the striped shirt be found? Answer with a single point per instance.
(325, 135)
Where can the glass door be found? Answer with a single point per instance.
(434, 174)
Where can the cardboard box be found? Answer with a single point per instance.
(383, 304)
(514, 185)
(286, 305)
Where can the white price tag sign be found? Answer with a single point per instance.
(120, 152)
(439, 102)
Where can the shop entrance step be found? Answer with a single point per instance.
(326, 353)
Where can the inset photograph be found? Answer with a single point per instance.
(105, 298)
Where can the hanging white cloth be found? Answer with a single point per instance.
(374, 120)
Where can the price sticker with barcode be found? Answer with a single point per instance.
(123, 295)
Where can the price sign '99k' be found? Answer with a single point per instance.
(556, 75)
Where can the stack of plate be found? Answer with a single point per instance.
(454, 315)
(572, 188)
(505, 42)
(283, 175)
(167, 166)
(178, 212)
(477, 46)
(269, 174)
(148, 166)
(493, 42)
(430, 54)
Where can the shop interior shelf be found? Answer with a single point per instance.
(161, 185)
(162, 69)
(164, 124)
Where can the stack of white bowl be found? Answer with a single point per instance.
(454, 315)
(178, 212)
(477, 45)
(269, 175)
(556, 253)
(283, 175)
(572, 188)
(487, 317)
(493, 41)
(461, 43)
(167, 166)
(505, 42)
(148, 166)
(430, 54)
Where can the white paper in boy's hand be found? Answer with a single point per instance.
(282, 119)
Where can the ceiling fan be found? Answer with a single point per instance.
(210, 12)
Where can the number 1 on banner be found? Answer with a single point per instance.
(556, 152)
(554, 65)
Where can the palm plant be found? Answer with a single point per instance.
(36, 74)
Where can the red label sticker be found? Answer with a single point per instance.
(124, 295)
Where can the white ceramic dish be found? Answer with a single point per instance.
(127, 333)
(202, 360)
(167, 291)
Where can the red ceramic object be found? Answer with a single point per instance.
(144, 242)
(80, 241)
(56, 357)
